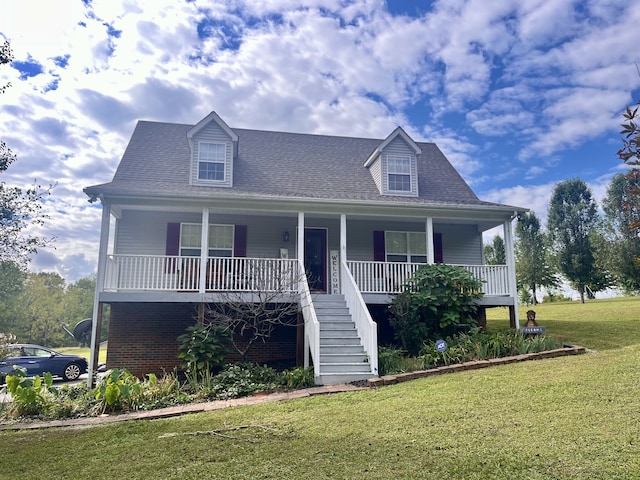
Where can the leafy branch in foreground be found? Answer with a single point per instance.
(19, 208)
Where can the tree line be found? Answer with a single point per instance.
(35, 306)
(591, 252)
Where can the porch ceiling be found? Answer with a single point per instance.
(485, 217)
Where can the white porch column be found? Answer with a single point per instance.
(102, 268)
(300, 245)
(343, 237)
(511, 267)
(343, 247)
(204, 250)
(430, 248)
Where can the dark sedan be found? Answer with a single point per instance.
(38, 360)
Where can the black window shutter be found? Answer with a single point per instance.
(173, 239)
(378, 246)
(240, 241)
(172, 246)
(437, 248)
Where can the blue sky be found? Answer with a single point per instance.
(519, 94)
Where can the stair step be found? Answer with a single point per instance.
(355, 348)
(344, 358)
(329, 335)
(329, 311)
(362, 367)
(338, 378)
(340, 342)
(324, 326)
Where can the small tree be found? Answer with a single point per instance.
(630, 153)
(253, 317)
(438, 301)
(533, 268)
(494, 253)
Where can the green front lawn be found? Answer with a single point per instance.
(564, 418)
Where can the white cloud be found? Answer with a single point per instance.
(473, 76)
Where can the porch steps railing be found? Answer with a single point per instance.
(342, 356)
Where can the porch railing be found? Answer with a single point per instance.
(180, 273)
(311, 324)
(367, 328)
(389, 277)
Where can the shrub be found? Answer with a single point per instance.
(395, 360)
(478, 345)
(239, 380)
(201, 350)
(298, 377)
(438, 301)
(31, 396)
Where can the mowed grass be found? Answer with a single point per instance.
(84, 352)
(565, 418)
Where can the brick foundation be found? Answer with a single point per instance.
(143, 338)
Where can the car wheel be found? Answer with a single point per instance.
(71, 371)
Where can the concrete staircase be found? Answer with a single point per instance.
(342, 357)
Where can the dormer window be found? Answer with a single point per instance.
(399, 172)
(394, 165)
(212, 159)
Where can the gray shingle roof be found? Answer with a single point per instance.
(277, 164)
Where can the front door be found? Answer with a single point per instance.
(315, 258)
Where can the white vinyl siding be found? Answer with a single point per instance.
(376, 173)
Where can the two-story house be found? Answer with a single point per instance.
(335, 224)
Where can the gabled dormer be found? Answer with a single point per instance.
(213, 148)
(394, 165)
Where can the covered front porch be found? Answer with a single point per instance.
(339, 256)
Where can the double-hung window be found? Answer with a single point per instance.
(212, 159)
(220, 240)
(408, 247)
(399, 173)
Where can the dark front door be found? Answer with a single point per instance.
(315, 258)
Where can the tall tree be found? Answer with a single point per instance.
(19, 207)
(620, 249)
(572, 215)
(533, 268)
(42, 303)
(12, 279)
(494, 253)
(630, 154)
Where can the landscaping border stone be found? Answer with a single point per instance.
(474, 365)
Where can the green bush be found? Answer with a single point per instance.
(395, 360)
(298, 377)
(30, 395)
(202, 349)
(239, 380)
(478, 345)
(438, 301)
